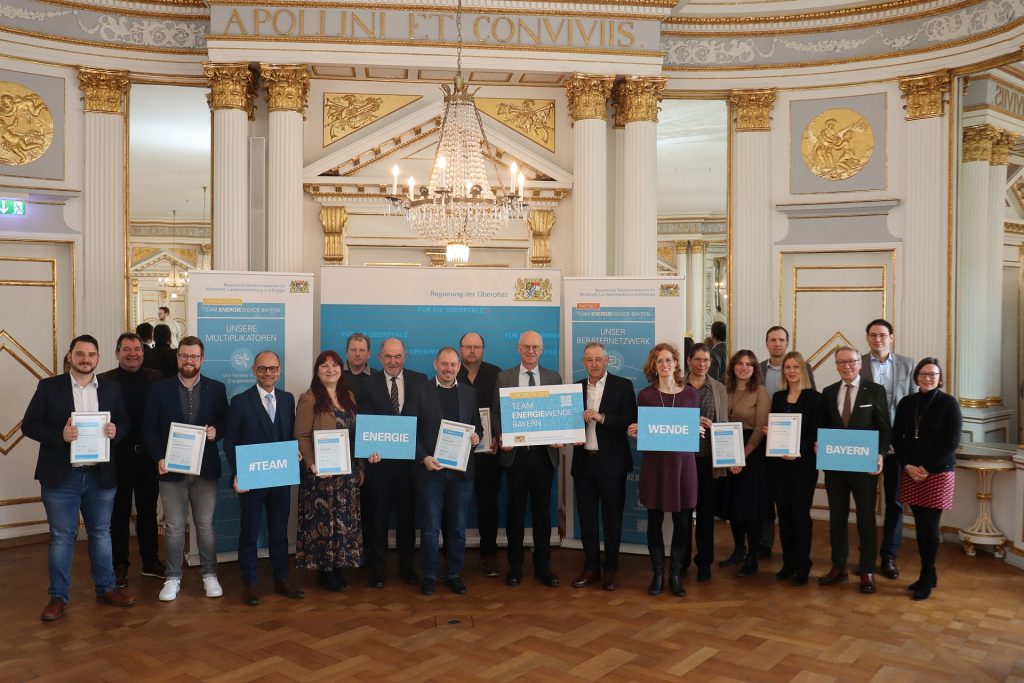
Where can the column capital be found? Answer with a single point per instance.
(287, 86)
(682, 246)
(697, 247)
(588, 96)
(637, 98)
(1001, 145)
(104, 90)
(752, 109)
(978, 141)
(232, 86)
(925, 94)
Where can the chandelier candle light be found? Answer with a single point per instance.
(175, 280)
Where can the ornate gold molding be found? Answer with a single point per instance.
(752, 109)
(697, 247)
(1001, 147)
(978, 142)
(637, 98)
(540, 222)
(925, 95)
(588, 96)
(335, 222)
(232, 86)
(438, 257)
(532, 118)
(682, 246)
(990, 402)
(287, 86)
(104, 90)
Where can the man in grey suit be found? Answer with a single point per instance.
(531, 470)
(893, 372)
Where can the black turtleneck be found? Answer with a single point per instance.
(134, 392)
(926, 431)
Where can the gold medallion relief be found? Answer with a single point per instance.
(837, 144)
(345, 113)
(26, 125)
(534, 119)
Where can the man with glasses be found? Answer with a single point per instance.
(894, 372)
(191, 399)
(854, 403)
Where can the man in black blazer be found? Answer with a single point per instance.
(193, 399)
(262, 414)
(531, 470)
(437, 487)
(388, 484)
(66, 489)
(854, 403)
(600, 465)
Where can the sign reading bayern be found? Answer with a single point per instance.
(668, 429)
(263, 465)
(848, 450)
(542, 415)
(392, 437)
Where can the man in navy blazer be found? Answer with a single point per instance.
(437, 487)
(262, 414)
(66, 489)
(193, 399)
(388, 484)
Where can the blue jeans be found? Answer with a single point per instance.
(80, 491)
(177, 495)
(434, 490)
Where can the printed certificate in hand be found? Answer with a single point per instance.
(783, 435)
(331, 452)
(454, 443)
(92, 445)
(727, 445)
(185, 444)
(485, 441)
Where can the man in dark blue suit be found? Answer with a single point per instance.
(437, 487)
(67, 489)
(262, 414)
(191, 399)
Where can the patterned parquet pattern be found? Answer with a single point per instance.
(729, 629)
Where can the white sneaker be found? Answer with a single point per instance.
(170, 590)
(212, 587)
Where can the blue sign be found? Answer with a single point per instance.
(393, 437)
(668, 429)
(848, 450)
(233, 334)
(263, 465)
(539, 415)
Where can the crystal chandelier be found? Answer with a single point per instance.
(458, 206)
(176, 280)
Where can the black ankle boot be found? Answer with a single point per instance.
(738, 557)
(657, 582)
(924, 584)
(749, 567)
(675, 583)
(329, 582)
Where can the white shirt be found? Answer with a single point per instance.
(524, 379)
(853, 396)
(401, 387)
(87, 399)
(595, 392)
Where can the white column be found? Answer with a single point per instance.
(104, 298)
(617, 190)
(695, 291)
(640, 200)
(681, 259)
(750, 299)
(994, 268)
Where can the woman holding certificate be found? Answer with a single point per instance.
(792, 477)
(748, 404)
(668, 480)
(329, 525)
(925, 435)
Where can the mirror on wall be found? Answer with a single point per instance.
(169, 199)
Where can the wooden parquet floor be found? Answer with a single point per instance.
(729, 629)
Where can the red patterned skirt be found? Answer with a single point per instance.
(935, 492)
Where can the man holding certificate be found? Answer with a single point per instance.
(444, 410)
(67, 488)
(262, 414)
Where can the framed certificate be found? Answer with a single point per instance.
(454, 443)
(92, 445)
(727, 445)
(185, 444)
(485, 441)
(542, 415)
(783, 435)
(331, 452)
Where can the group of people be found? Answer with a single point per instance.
(343, 520)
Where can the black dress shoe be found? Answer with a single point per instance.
(800, 577)
(889, 568)
(749, 567)
(328, 581)
(785, 574)
(867, 582)
(703, 573)
(456, 584)
(513, 579)
(547, 577)
(157, 570)
(121, 575)
(289, 590)
(609, 583)
(585, 579)
(675, 584)
(427, 586)
(409, 576)
(339, 576)
(737, 558)
(250, 595)
(835, 575)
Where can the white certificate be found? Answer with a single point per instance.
(92, 445)
(727, 445)
(485, 441)
(783, 435)
(454, 442)
(185, 444)
(331, 452)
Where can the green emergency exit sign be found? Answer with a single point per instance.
(12, 207)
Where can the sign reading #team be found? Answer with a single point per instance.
(264, 465)
(392, 437)
(542, 415)
(848, 450)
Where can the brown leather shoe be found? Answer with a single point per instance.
(54, 609)
(117, 598)
(251, 595)
(609, 583)
(585, 579)
(285, 588)
(867, 582)
(889, 568)
(835, 575)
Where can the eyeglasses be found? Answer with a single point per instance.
(665, 361)
(847, 363)
(268, 368)
(928, 375)
(531, 347)
(189, 356)
(879, 335)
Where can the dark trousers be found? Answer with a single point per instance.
(892, 526)
(792, 487)
(680, 539)
(594, 488)
(487, 484)
(863, 487)
(928, 535)
(530, 474)
(707, 489)
(449, 492)
(388, 486)
(278, 502)
(136, 475)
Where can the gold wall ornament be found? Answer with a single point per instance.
(232, 86)
(540, 222)
(837, 144)
(438, 258)
(287, 86)
(925, 95)
(978, 141)
(752, 109)
(697, 247)
(26, 125)
(683, 246)
(335, 222)
(345, 113)
(104, 90)
(637, 98)
(667, 252)
(534, 119)
(1001, 147)
(588, 96)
